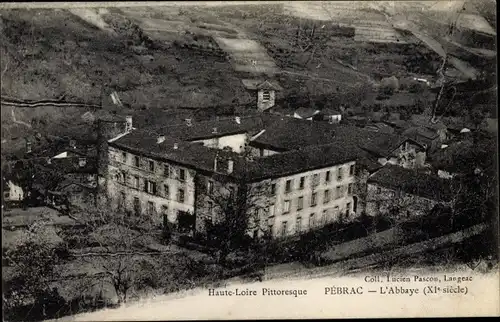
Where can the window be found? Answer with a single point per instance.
(348, 207)
(286, 208)
(180, 195)
(137, 161)
(273, 189)
(136, 182)
(336, 212)
(151, 208)
(182, 174)
(166, 170)
(124, 157)
(266, 96)
(327, 176)
(150, 187)
(137, 206)
(340, 173)
(210, 208)
(379, 190)
(314, 199)
(349, 189)
(164, 210)
(210, 187)
(315, 180)
(351, 170)
(166, 191)
(288, 186)
(326, 198)
(338, 192)
(232, 193)
(151, 166)
(298, 225)
(283, 228)
(312, 221)
(300, 203)
(270, 228)
(123, 200)
(82, 162)
(302, 183)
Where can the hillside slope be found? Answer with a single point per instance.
(53, 52)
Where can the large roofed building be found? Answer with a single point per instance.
(309, 165)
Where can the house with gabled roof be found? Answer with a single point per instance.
(264, 91)
(405, 193)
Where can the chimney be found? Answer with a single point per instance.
(176, 146)
(160, 139)
(189, 122)
(128, 126)
(230, 166)
(72, 144)
(214, 131)
(28, 146)
(215, 164)
(238, 119)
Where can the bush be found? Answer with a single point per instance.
(416, 87)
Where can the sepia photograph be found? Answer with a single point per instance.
(249, 160)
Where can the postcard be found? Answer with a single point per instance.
(249, 160)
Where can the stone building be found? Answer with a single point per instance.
(283, 183)
(405, 193)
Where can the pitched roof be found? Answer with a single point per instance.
(200, 157)
(421, 134)
(330, 111)
(380, 127)
(378, 143)
(302, 160)
(285, 133)
(413, 182)
(211, 128)
(305, 112)
(255, 84)
(304, 144)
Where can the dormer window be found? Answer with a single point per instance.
(266, 96)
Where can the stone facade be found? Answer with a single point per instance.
(146, 186)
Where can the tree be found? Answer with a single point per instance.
(33, 262)
(121, 257)
(234, 209)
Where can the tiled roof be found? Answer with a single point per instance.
(421, 135)
(292, 162)
(412, 182)
(288, 133)
(189, 154)
(380, 144)
(309, 144)
(254, 84)
(305, 112)
(211, 128)
(200, 157)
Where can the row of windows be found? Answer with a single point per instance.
(327, 197)
(168, 171)
(151, 206)
(315, 179)
(313, 221)
(151, 187)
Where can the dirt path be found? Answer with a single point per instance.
(19, 122)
